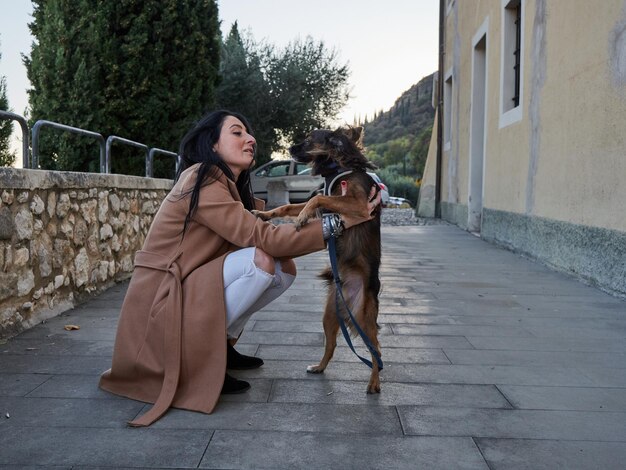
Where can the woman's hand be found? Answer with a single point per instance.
(372, 204)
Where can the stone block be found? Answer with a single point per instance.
(62, 251)
(24, 224)
(149, 207)
(80, 232)
(114, 200)
(81, 268)
(67, 229)
(7, 226)
(106, 232)
(37, 205)
(22, 255)
(52, 203)
(63, 206)
(51, 229)
(103, 210)
(88, 211)
(7, 197)
(25, 283)
(8, 285)
(37, 227)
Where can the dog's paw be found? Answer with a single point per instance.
(315, 369)
(301, 221)
(262, 214)
(373, 388)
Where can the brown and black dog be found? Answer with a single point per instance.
(338, 157)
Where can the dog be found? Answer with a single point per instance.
(338, 157)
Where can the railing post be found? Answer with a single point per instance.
(24, 126)
(109, 143)
(150, 160)
(42, 122)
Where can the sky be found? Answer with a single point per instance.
(389, 45)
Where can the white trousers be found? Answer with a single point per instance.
(248, 288)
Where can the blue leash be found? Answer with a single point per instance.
(332, 251)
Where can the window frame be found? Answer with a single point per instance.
(448, 92)
(511, 35)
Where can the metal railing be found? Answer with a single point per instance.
(105, 146)
(24, 126)
(41, 123)
(150, 160)
(105, 166)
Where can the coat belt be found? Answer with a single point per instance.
(173, 333)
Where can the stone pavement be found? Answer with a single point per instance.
(491, 361)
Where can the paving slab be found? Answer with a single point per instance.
(291, 417)
(63, 412)
(548, 344)
(516, 454)
(491, 361)
(249, 450)
(117, 447)
(559, 358)
(353, 393)
(18, 385)
(513, 424)
(344, 354)
(565, 398)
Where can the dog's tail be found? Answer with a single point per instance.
(327, 276)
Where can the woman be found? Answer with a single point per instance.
(206, 265)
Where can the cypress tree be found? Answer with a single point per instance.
(144, 70)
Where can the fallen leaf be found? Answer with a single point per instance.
(71, 327)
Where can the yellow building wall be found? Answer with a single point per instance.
(579, 116)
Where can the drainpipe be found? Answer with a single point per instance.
(442, 16)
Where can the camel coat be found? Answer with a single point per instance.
(170, 347)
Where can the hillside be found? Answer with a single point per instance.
(410, 115)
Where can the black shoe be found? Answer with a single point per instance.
(237, 361)
(233, 386)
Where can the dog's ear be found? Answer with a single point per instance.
(355, 134)
(336, 141)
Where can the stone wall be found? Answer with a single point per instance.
(65, 236)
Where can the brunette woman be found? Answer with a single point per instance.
(206, 265)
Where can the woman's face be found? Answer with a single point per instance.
(235, 146)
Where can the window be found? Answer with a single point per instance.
(447, 111)
(302, 169)
(277, 169)
(511, 79)
(280, 169)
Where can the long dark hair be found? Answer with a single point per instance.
(197, 147)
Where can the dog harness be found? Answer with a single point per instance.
(330, 181)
